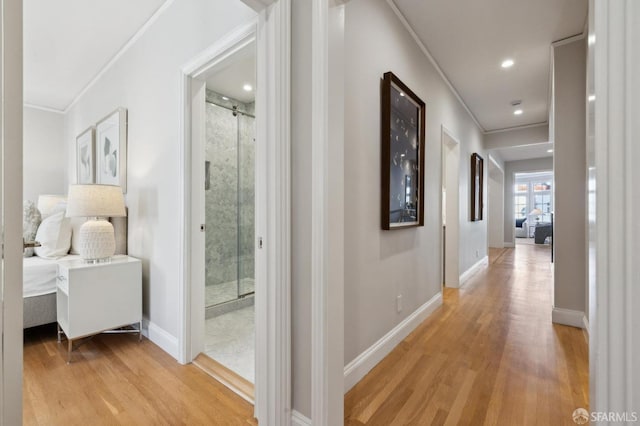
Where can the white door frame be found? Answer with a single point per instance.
(490, 218)
(273, 220)
(454, 228)
(614, 346)
(11, 212)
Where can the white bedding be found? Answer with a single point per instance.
(39, 275)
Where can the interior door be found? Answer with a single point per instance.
(11, 211)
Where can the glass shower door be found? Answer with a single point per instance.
(246, 204)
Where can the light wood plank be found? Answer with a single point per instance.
(114, 379)
(489, 356)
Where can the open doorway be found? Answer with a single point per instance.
(533, 207)
(495, 211)
(450, 209)
(223, 204)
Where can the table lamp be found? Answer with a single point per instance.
(535, 213)
(96, 202)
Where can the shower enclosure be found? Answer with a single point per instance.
(230, 203)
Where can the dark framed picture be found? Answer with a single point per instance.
(402, 165)
(477, 173)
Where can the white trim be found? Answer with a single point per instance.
(444, 131)
(510, 129)
(568, 317)
(320, 397)
(367, 360)
(143, 29)
(509, 244)
(273, 215)
(258, 5)
(299, 419)
(165, 340)
(614, 346)
(43, 108)
(426, 52)
(585, 323)
(476, 267)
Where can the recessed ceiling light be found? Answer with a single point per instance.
(550, 151)
(225, 98)
(592, 98)
(401, 93)
(247, 88)
(507, 63)
(517, 112)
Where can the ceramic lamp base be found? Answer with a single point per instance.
(97, 240)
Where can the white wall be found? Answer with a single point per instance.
(146, 80)
(510, 169)
(45, 162)
(517, 137)
(569, 239)
(381, 264)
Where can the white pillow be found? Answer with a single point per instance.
(54, 234)
(76, 223)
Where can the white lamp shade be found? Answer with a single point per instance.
(535, 212)
(95, 201)
(46, 203)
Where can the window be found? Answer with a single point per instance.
(521, 206)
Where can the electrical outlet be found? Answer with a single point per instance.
(399, 303)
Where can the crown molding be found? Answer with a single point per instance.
(510, 129)
(43, 108)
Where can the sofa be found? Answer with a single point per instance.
(522, 230)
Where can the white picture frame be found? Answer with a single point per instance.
(85, 156)
(111, 149)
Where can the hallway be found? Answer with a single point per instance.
(490, 355)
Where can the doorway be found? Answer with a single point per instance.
(495, 211)
(450, 209)
(533, 207)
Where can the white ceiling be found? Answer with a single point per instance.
(229, 78)
(68, 42)
(469, 39)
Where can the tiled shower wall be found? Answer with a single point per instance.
(230, 195)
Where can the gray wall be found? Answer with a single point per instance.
(510, 169)
(44, 162)
(379, 265)
(569, 126)
(517, 137)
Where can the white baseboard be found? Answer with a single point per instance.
(363, 363)
(567, 317)
(464, 277)
(585, 324)
(509, 245)
(160, 337)
(299, 419)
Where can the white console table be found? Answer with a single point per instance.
(94, 298)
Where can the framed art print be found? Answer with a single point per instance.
(85, 156)
(111, 149)
(402, 166)
(477, 182)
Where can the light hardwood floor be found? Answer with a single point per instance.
(114, 379)
(489, 356)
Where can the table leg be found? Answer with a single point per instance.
(140, 331)
(69, 349)
(59, 333)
